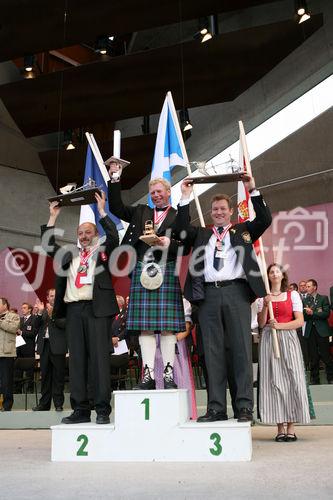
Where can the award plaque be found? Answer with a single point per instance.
(212, 179)
(71, 195)
(149, 236)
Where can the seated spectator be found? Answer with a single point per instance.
(9, 323)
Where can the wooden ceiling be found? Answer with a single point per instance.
(98, 92)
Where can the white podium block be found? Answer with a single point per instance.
(151, 409)
(152, 426)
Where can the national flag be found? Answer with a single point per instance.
(169, 148)
(89, 213)
(244, 203)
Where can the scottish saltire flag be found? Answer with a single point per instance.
(89, 213)
(169, 148)
(244, 203)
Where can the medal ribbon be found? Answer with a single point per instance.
(159, 217)
(221, 236)
(84, 257)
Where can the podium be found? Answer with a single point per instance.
(152, 426)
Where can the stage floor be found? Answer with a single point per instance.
(277, 470)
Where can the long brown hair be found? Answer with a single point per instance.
(284, 282)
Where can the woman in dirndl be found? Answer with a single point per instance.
(283, 396)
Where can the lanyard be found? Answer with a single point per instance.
(159, 218)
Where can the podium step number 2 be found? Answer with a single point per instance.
(152, 426)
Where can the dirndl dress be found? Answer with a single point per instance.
(156, 310)
(283, 392)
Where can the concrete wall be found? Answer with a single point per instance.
(24, 189)
(216, 127)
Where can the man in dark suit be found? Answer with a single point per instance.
(153, 308)
(52, 348)
(28, 331)
(85, 296)
(317, 331)
(223, 279)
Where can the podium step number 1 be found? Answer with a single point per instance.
(152, 426)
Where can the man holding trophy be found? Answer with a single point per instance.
(223, 281)
(85, 297)
(155, 303)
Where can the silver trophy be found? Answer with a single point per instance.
(227, 171)
(82, 195)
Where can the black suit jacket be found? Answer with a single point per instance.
(57, 334)
(198, 237)
(29, 332)
(104, 300)
(137, 216)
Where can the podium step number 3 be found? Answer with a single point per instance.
(152, 426)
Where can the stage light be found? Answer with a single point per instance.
(185, 120)
(302, 11)
(102, 45)
(208, 27)
(29, 61)
(68, 140)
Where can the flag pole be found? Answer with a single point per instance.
(263, 268)
(184, 152)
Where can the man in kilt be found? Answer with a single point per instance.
(154, 306)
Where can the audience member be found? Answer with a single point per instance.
(52, 348)
(9, 323)
(317, 331)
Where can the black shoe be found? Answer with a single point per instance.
(40, 408)
(330, 381)
(102, 419)
(6, 409)
(169, 383)
(59, 408)
(245, 415)
(213, 416)
(77, 417)
(147, 383)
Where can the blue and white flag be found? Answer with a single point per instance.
(89, 213)
(170, 148)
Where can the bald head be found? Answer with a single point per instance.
(86, 232)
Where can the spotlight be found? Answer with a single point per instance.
(302, 11)
(185, 120)
(68, 140)
(29, 61)
(111, 38)
(208, 27)
(102, 45)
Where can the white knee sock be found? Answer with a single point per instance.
(148, 349)
(168, 343)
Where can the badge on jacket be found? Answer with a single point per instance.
(104, 257)
(246, 237)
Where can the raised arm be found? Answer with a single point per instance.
(112, 238)
(263, 218)
(116, 204)
(49, 244)
(181, 227)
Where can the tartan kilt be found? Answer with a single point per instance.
(161, 309)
